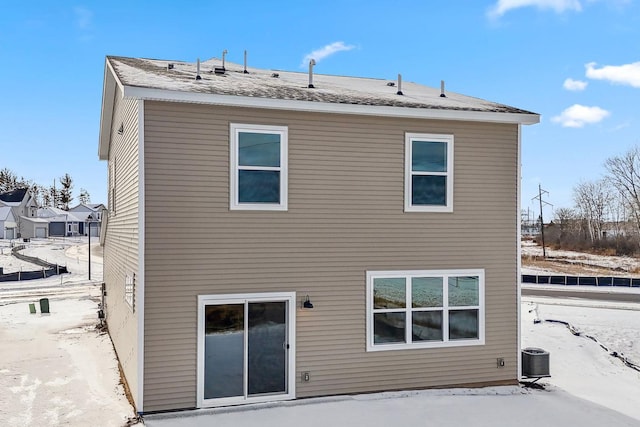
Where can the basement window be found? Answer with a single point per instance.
(258, 167)
(424, 309)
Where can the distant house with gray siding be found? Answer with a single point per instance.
(8, 225)
(62, 223)
(332, 243)
(23, 206)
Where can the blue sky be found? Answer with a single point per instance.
(576, 62)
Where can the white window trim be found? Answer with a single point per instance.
(203, 300)
(425, 344)
(408, 205)
(235, 129)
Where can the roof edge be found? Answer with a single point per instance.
(109, 85)
(325, 107)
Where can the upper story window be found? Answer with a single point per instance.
(422, 309)
(258, 167)
(428, 173)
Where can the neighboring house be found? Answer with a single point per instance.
(33, 227)
(95, 209)
(8, 225)
(91, 217)
(62, 223)
(267, 240)
(23, 206)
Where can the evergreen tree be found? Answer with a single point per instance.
(65, 191)
(8, 180)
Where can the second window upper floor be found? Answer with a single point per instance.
(259, 169)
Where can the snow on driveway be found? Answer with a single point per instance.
(57, 369)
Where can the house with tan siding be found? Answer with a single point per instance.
(343, 234)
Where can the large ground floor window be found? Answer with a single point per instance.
(424, 308)
(245, 348)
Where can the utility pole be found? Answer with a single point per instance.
(541, 192)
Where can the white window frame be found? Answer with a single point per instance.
(407, 275)
(234, 168)
(129, 290)
(408, 172)
(203, 301)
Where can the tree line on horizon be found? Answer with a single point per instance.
(46, 196)
(605, 216)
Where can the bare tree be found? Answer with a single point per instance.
(565, 218)
(84, 196)
(624, 174)
(47, 199)
(592, 200)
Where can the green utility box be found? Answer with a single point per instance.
(44, 305)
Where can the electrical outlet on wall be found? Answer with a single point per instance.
(306, 377)
(500, 362)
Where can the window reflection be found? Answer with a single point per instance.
(426, 326)
(389, 328)
(429, 156)
(389, 293)
(258, 149)
(463, 324)
(224, 351)
(267, 354)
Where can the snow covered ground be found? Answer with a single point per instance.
(623, 265)
(580, 365)
(59, 370)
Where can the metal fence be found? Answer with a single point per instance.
(47, 270)
(629, 282)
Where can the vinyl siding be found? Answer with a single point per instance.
(121, 240)
(346, 216)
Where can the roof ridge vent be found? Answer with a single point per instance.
(442, 94)
(198, 77)
(311, 64)
(399, 92)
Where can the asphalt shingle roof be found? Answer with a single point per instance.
(287, 85)
(13, 196)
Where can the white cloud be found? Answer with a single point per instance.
(323, 52)
(574, 85)
(83, 17)
(627, 74)
(578, 115)
(558, 6)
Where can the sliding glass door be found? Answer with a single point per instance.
(245, 349)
